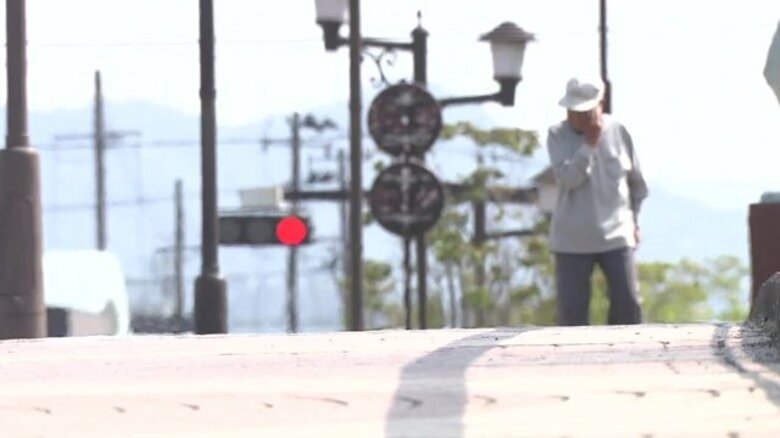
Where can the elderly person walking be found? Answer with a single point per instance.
(595, 221)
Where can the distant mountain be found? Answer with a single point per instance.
(141, 171)
(675, 226)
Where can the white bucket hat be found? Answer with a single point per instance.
(582, 94)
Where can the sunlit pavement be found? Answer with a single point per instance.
(633, 381)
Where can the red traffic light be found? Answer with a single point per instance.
(292, 230)
(261, 228)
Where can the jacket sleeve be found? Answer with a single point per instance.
(570, 170)
(636, 181)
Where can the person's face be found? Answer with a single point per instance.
(580, 120)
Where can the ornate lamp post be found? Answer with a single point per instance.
(330, 16)
(507, 42)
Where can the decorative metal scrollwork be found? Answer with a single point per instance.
(384, 57)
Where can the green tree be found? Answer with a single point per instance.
(534, 302)
(482, 279)
(729, 283)
(511, 281)
(683, 291)
(378, 285)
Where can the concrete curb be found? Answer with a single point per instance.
(766, 307)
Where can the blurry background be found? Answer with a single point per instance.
(686, 82)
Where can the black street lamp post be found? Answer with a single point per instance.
(210, 288)
(22, 308)
(607, 104)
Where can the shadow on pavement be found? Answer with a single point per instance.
(759, 348)
(433, 387)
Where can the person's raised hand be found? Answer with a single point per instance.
(593, 134)
(637, 236)
(593, 127)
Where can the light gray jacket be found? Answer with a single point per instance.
(601, 189)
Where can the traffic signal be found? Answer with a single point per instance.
(241, 228)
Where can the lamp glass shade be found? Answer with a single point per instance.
(507, 58)
(331, 11)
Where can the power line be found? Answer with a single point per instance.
(189, 144)
(157, 144)
(195, 248)
(311, 143)
(262, 142)
(188, 43)
(239, 276)
(55, 208)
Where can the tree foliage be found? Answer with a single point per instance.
(686, 291)
(510, 281)
(514, 139)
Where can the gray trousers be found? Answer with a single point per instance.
(573, 279)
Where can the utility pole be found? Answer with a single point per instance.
(356, 161)
(178, 255)
(603, 51)
(100, 140)
(292, 260)
(342, 197)
(99, 133)
(295, 143)
(210, 288)
(22, 309)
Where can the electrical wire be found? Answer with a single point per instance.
(188, 43)
(55, 208)
(237, 276)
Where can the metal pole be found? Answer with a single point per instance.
(422, 280)
(480, 274)
(292, 260)
(356, 160)
(22, 309)
(603, 50)
(344, 216)
(451, 289)
(178, 257)
(210, 289)
(407, 283)
(100, 168)
(420, 54)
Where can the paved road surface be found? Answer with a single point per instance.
(634, 381)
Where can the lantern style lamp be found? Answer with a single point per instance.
(507, 44)
(331, 14)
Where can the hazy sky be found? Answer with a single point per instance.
(686, 73)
